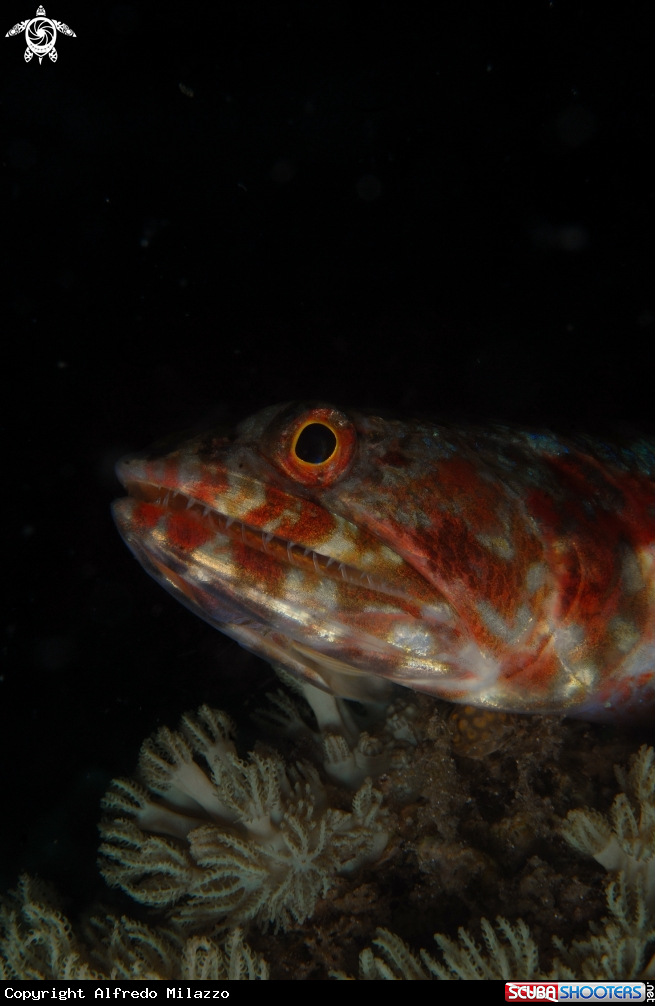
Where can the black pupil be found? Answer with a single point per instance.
(316, 444)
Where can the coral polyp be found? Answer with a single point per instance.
(38, 943)
(231, 840)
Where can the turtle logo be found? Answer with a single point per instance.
(40, 35)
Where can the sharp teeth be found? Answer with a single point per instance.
(166, 497)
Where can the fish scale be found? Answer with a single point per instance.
(501, 568)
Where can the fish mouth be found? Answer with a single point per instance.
(279, 648)
(402, 633)
(282, 549)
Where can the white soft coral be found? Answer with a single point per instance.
(626, 841)
(349, 754)
(255, 839)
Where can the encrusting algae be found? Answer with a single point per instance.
(617, 950)
(290, 855)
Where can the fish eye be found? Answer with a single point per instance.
(315, 444)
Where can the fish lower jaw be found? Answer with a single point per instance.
(308, 665)
(279, 548)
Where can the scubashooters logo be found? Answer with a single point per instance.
(574, 992)
(41, 35)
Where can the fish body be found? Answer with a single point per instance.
(500, 568)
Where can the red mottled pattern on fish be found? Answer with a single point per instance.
(497, 567)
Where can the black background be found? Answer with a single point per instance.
(209, 208)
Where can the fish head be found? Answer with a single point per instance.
(249, 530)
(345, 547)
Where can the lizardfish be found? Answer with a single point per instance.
(497, 567)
